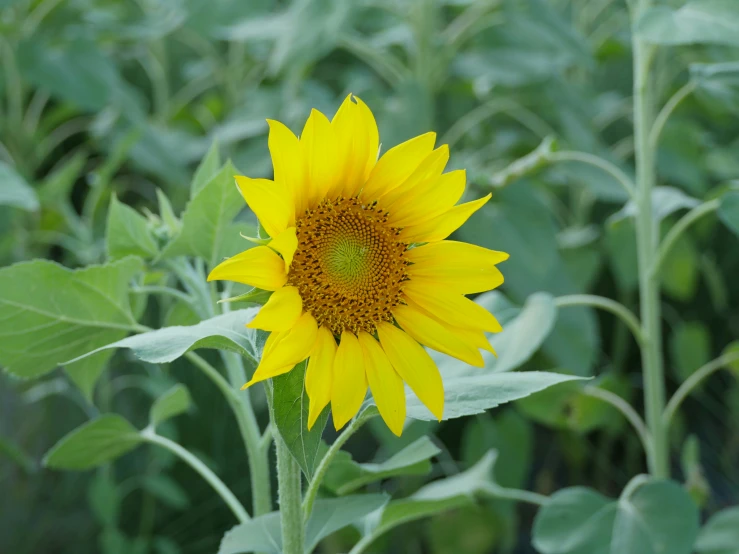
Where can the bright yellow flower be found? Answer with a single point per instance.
(359, 267)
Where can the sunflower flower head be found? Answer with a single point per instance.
(361, 272)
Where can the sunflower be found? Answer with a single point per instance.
(361, 273)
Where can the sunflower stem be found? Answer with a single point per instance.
(289, 487)
(647, 237)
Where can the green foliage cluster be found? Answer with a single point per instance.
(117, 356)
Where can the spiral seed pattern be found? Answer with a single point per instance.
(349, 266)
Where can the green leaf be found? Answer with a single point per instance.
(290, 405)
(104, 498)
(658, 517)
(128, 233)
(469, 395)
(720, 535)
(207, 169)
(99, 441)
(728, 211)
(166, 490)
(665, 201)
(331, 514)
(15, 191)
(698, 21)
(207, 230)
(86, 372)
(345, 475)
(172, 403)
(718, 82)
(261, 534)
(13, 452)
(50, 314)
(690, 347)
(227, 332)
(167, 213)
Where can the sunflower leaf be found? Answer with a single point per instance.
(172, 403)
(290, 404)
(15, 191)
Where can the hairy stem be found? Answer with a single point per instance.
(291, 514)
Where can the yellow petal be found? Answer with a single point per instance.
(270, 202)
(429, 200)
(350, 382)
(428, 172)
(443, 225)
(432, 333)
(397, 165)
(319, 375)
(320, 151)
(259, 267)
(287, 162)
(464, 268)
(357, 137)
(414, 365)
(451, 308)
(384, 382)
(286, 243)
(291, 347)
(281, 311)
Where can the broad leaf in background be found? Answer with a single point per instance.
(50, 314)
(207, 230)
(717, 82)
(665, 201)
(128, 233)
(698, 21)
(690, 348)
(520, 339)
(658, 517)
(345, 475)
(227, 332)
(94, 443)
(166, 490)
(290, 406)
(720, 535)
(208, 168)
(728, 210)
(261, 534)
(469, 395)
(172, 403)
(15, 191)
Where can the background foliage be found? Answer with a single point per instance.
(106, 110)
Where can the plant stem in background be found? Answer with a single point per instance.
(647, 237)
(291, 513)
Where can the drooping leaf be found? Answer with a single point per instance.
(290, 405)
(128, 233)
(728, 211)
(720, 535)
(698, 21)
(15, 191)
(50, 314)
(345, 475)
(86, 372)
(658, 517)
(469, 395)
(94, 443)
(172, 403)
(207, 222)
(331, 514)
(227, 331)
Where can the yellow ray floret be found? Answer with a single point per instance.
(362, 275)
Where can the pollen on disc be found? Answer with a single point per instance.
(349, 266)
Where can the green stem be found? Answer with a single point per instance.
(678, 229)
(315, 484)
(616, 308)
(647, 236)
(219, 486)
(692, 382)
(291, 515)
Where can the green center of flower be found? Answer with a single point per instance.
(349, 265)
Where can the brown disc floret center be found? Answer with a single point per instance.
(349, 266)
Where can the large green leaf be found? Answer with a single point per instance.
(698, 21)
(469, 395)
(94, 443)
(207, 169)
(128, 233)
(345, 475)
(728, 210)
(290, 405)
(172, 403)
(227, 331)
(720, 535)
(207, 222)
(331, 514)
(15, 191)
(50, 314)
(655, 518)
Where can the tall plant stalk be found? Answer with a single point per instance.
(647, 236)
